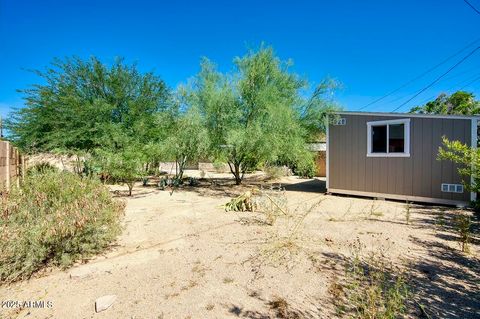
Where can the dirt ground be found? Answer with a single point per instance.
(182, 256)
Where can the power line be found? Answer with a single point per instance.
(438, 79)
(470, 83)
(419, 76)
(471, 6)
(444, 79)
(469, 80)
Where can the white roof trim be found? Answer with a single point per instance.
(438, 116)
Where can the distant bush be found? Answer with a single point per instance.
(42, 167)
(274, 172)
(55, 218)
(305, 168)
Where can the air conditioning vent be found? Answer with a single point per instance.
(452, 188)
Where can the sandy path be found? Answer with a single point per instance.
(181, 256)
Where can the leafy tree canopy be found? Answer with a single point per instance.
(460, 102)
(82, 105)
(257, 113)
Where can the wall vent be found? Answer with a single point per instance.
(452, 188)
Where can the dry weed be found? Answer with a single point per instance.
(373, 287)
(282, 309)
(284, 243)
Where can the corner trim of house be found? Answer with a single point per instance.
(399, 197)
(474, 141)
(327, 171)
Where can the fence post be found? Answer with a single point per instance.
(23, 167)
(7, 177)
(17, 167)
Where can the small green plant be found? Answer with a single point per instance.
(192, 181)
(440, 221)
(372, 211)
(407, 212)
(463, 226)
(55, 218)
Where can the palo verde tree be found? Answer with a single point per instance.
(188, 140)
(254, 115)
(79, 101)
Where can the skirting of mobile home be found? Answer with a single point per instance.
(395, 156)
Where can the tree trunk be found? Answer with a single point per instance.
(235, 170)
(238, 177)
(181, 167)
(130, 187)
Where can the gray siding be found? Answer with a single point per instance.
(421, 174)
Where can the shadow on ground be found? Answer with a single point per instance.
(309, 186)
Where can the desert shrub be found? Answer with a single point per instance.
(305, 167)
(55, 218)
(41, 167)
(274, 172)
(219, 166)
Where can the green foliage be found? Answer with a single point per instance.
(114, 115)
(83, 103)
(314, 111)
(305, 165)
(123, 165)
(275, 172)
(460, 102)
(258, 113)
(42, 167)
(188, 141)
(55, 218)
(467, 158)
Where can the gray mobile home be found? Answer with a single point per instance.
(394, 155)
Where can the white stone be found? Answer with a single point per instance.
(103, 303)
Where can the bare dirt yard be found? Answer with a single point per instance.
(182, 256)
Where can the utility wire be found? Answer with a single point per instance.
(438, 79)
(469, 80)
(419, 76)
(470, 83)
(471, 6)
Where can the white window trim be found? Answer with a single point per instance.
(406, 137)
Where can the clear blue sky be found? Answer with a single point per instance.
(370, 46)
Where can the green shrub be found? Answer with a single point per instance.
(42, 167)
(55, 218)
(305, 168)
(275, 172)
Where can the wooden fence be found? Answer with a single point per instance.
(12, 165)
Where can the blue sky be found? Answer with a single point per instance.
(372, 47)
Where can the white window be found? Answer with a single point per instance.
(388, 138)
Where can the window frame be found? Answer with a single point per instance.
(406, 138)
